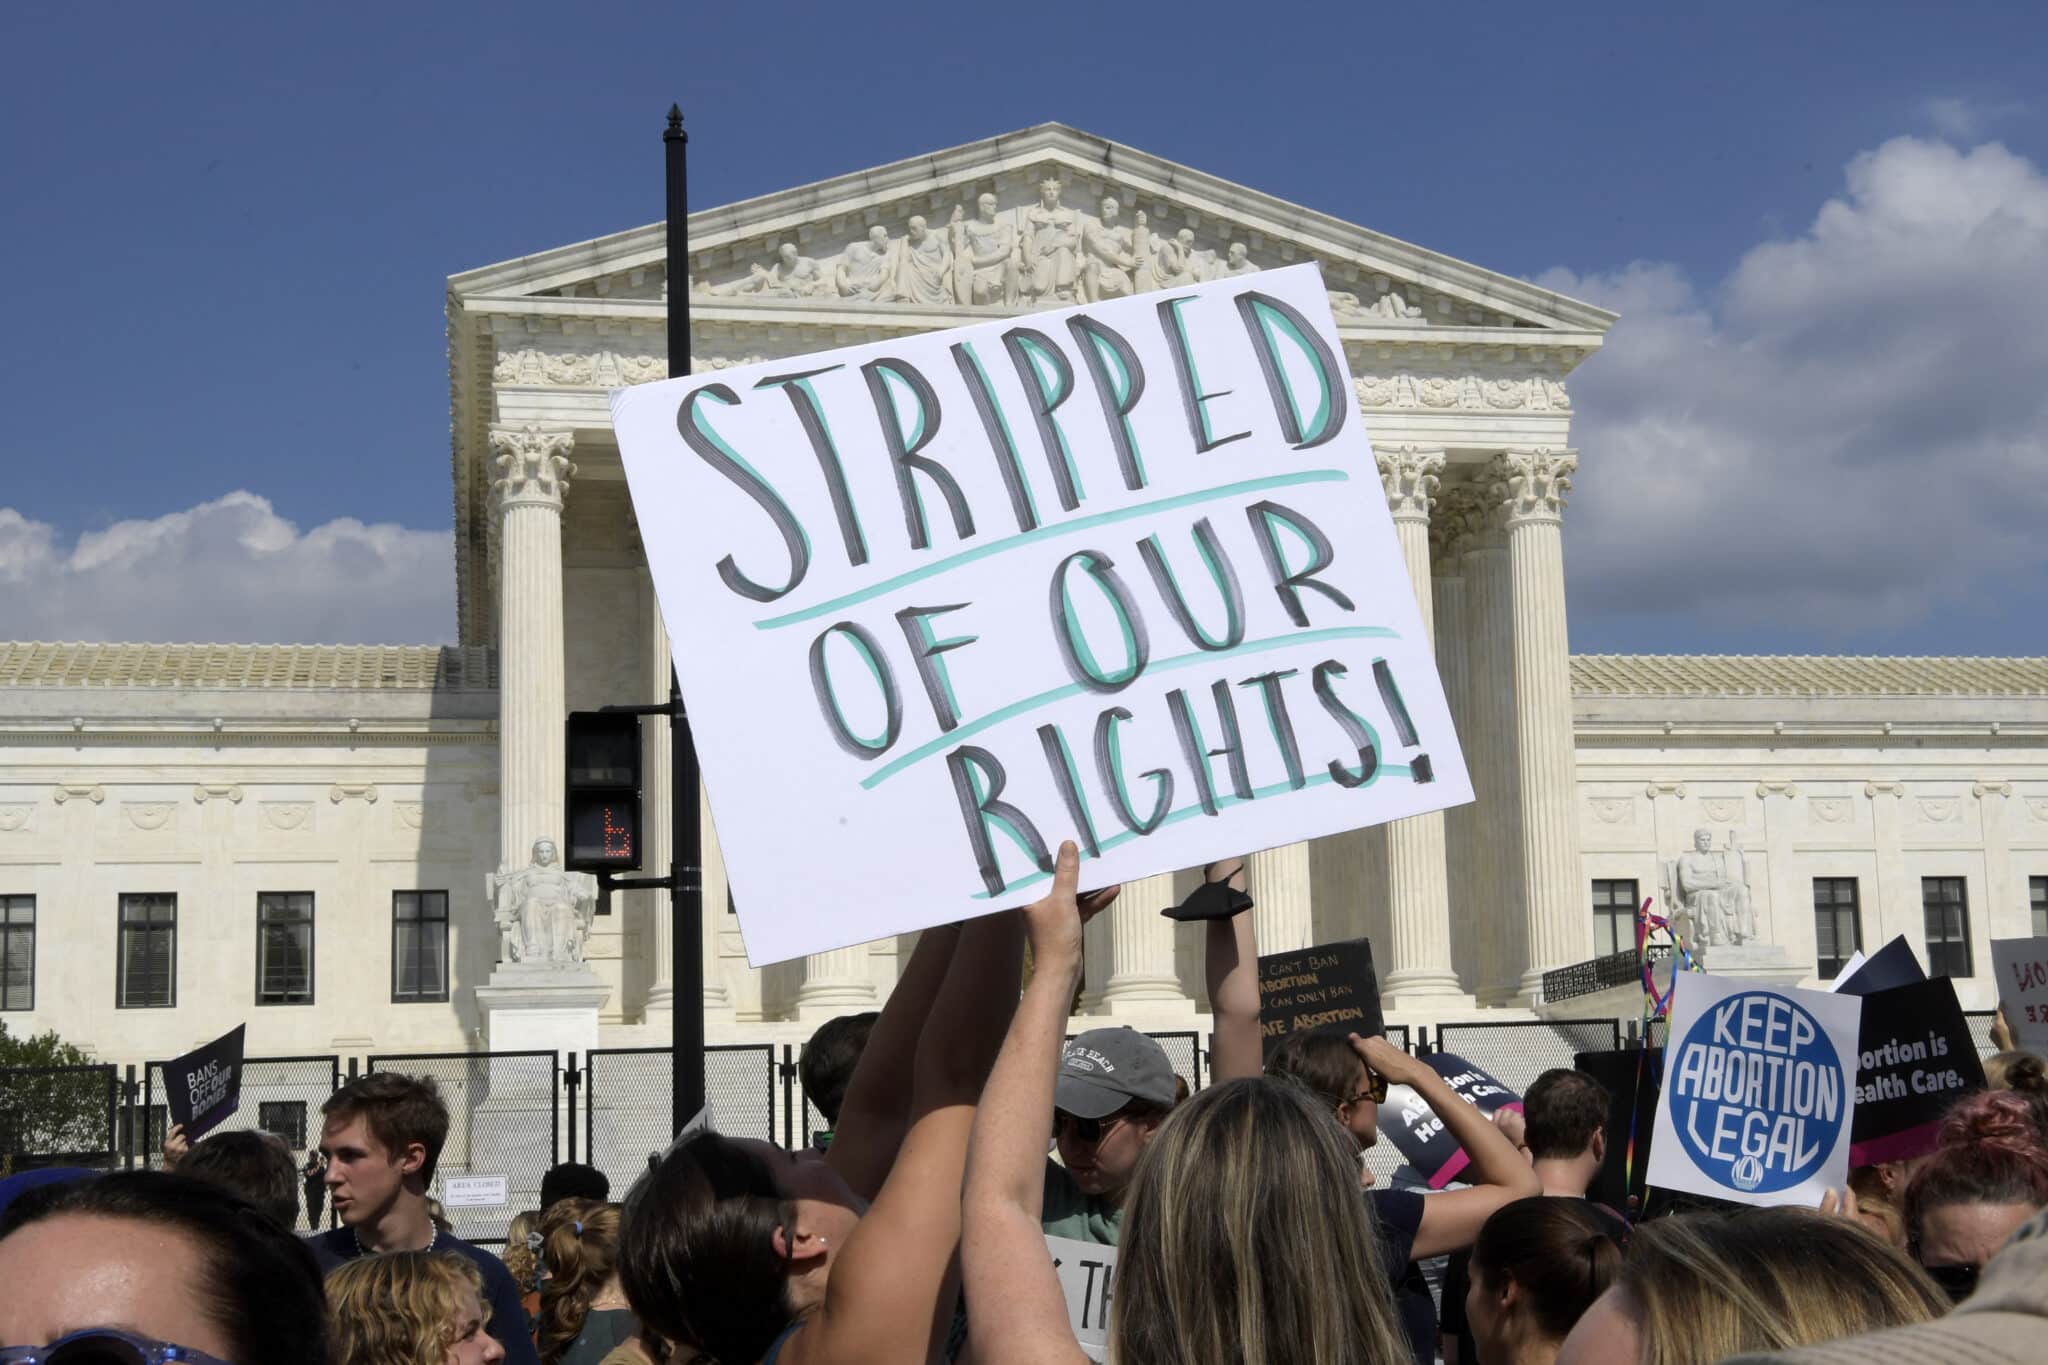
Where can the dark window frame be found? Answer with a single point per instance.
(293, 1131)
(9, 904)
(2037, 905)
(419, 920)
(1934, 898)
(1828, 968)
(1612, 917)
(124, 928)
(265, 902)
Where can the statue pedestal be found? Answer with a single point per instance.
(541, 1007)
(1765, 962)
(546, 1007)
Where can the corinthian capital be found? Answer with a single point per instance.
(1530, 485)
(1410, 476)
(1460, 514)
(533, 465)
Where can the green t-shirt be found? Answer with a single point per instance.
(1071, 1213)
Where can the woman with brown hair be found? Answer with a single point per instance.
(584, 1318)
(1537, 1267)
(410, 1308)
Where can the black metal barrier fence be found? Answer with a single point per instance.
(512, 1115)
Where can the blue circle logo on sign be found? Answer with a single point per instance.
(1756, 1092)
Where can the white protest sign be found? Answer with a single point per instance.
(1759, 1091)
(473, 1191)
(1086, 1270)
(1122, 573)
(2022, 967)
(1848, 969)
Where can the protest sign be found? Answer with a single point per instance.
(1759, 1091)
(1331, 987)
(204, 1086)
(1848, 970)
(1122, 573)
(1891, 965)
(2021, 965)
(473, 1191)
(1916, 1058)
(1633, 1078)
(1086, 1271)
(1419, 1134)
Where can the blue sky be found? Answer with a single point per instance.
(1819, 427)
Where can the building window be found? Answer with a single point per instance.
(18, 952)
(286, 1118)
(419, 946)
(2037, 896)
(1837, 925)
(1614, 917)
(1947, 910)
(148, 968)
(284, 948)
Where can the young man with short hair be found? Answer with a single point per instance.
(1115, 1088)
(573, 1180)
(825, 1067)
(382, 1136)
(256, 1166)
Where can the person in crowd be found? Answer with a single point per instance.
(1116, 1085)
(256, 1166)
(1231, 1248)
(2013, 1070)
(144, 1266)
(583, 1312)
(522, 1258)
(738, 1252)
(1878, 1189)
(573, 1180)
(381, 1137)
(1987, 1175)
(1537, 1267)
(411, 1308)
(2003, 1323)
(1696, 1288)
(825, 1067)
(313, 1180)
(21, 1182)
(1562, 1129)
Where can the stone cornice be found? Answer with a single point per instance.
(239, 739)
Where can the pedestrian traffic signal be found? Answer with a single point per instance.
(602, 803)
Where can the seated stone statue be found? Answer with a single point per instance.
(1711, 890)
(867, 269)
(793, 276)
(543, 913)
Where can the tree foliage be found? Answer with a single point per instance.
(54, 1102)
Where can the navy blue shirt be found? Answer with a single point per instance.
(1398, 1215)
(338, 1247)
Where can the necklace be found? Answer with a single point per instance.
(362, 1250)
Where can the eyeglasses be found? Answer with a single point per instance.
(105, 1346)
(1375, 1089)
(1087, 1131)
(1960, 1281)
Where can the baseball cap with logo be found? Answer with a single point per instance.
(1106, 1068)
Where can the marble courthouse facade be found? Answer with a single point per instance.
(193, 836)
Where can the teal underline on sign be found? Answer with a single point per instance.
(1174, 817)
(996, 547)
(1015, 709)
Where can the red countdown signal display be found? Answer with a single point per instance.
(602, 800)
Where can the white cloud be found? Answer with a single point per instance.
(1845, 440)
(227, 571)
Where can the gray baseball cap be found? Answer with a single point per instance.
(1106, 1068)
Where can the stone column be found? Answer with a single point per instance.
(1531, 486)
(533, 475)
(835, 983)
(1491, 754)
(656, 782)
(1141, 978)
(1418, 967)
(1278, 880)
(1451, 521)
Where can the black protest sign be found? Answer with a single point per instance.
(1419, 1133)
(1331, 987)
(1891, 965)
(1917, 1059)
(204, 1086)
(1632, 1077)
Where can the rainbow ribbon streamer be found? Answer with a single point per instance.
(1655, 1007)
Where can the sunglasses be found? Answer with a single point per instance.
(1088, 1131)
(104, 1346)
(1959, 1281)
(1375, 1089)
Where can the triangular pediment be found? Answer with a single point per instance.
(848, 245)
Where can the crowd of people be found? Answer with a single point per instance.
(963, 1129)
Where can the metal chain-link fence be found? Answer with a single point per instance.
(1517, 1053)
(280, 1095)
(59, 1116)
(504, 1120)
(628, 1110)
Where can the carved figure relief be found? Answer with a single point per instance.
(1112, 255)
(791, 276)
(1830, 810)
(925, 272)
(287, 815)
(1939, 810)
(984, 255)
(149, 815)
(2037, 806)
(1614, 810)
(867, 270)
(410, 813)
(16, 817)
(1051, 248)
(1723, 810)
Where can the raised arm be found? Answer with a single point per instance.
(1499, 1174)
(876, 1111)
(1019, 1315)
(892, 1289)
(1232, 958)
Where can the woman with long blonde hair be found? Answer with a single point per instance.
(1243, 1240)
(410, 1308)
(584, 1316)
